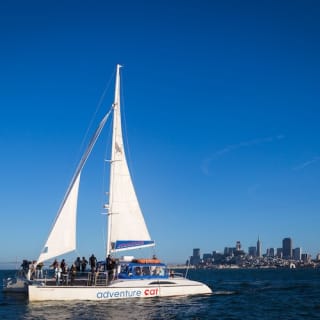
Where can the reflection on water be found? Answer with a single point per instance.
(142, 309)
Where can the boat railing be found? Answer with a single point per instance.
(98, 279)
(79, 279)
(89, 279)
(177, 275)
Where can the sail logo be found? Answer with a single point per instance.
(127, 293)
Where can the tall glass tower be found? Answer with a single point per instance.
(287, 248)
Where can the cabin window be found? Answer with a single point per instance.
(146, 271)
(137, 271)
(157, 271)
(124, 268)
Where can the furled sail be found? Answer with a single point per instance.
(126, 226)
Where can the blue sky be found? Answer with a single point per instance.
(221, 104)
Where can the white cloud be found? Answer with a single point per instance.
(307, 163)
(244, 144)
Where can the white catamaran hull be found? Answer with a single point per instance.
(119, 290)
(16, 285)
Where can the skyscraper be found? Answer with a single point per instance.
(287, 248)
(196, 252)
(296, 253)
(252, 251)
(258, 248)
(195, 258)
(279, 252)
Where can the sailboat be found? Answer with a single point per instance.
(126, 230)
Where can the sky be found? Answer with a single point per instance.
(221, 118)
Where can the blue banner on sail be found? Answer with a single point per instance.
(131, 244)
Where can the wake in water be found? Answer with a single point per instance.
(224, 293)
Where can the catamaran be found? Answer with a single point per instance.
(126, 230)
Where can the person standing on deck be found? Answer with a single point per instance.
(93, 263)
(73, 271)
(109, 267)
(84, 263)
(54, 264)
(57, 273)
(32, 269)
(39, 271)
(77, 264)
(64, 273)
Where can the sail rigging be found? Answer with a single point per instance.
(126, 225)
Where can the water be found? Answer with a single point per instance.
(238, 294)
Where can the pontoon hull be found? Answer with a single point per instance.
(16, 285)
(119, 290)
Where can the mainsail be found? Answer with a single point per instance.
(126, 226)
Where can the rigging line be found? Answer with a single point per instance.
(100, 102)
(105, 165)
(105, 195)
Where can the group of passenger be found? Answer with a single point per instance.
(146, 271)
(81, 264)
(63, 274)
(32, 269)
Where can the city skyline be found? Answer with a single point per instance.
(221, 113)
(286, 250)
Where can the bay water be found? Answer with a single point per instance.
(238, 294)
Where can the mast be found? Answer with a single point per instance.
(115, 133)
